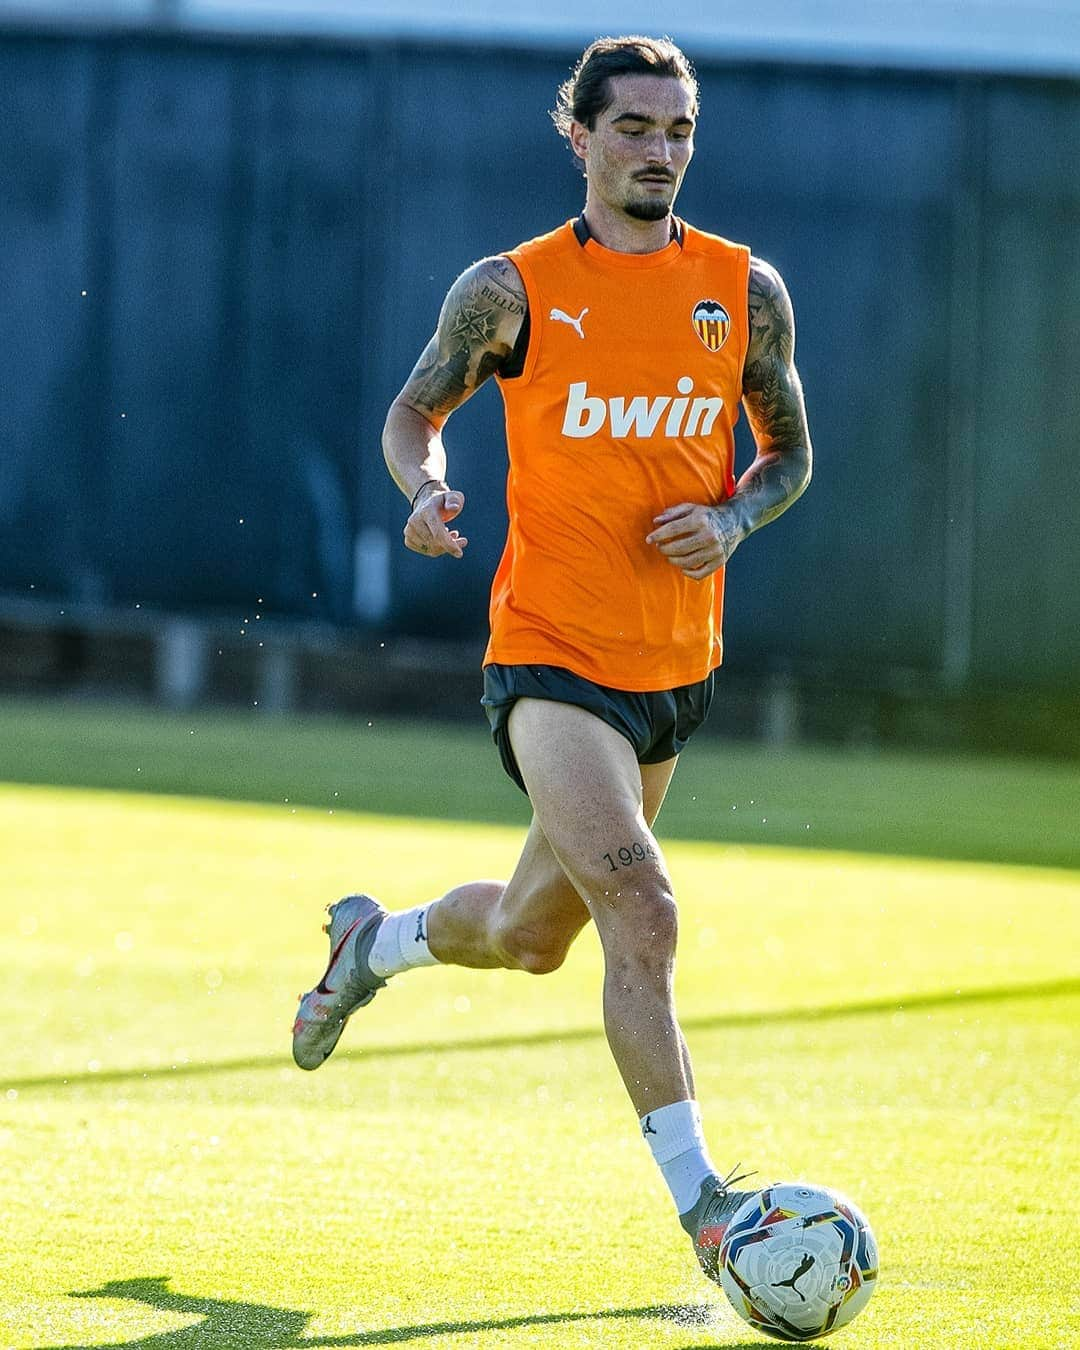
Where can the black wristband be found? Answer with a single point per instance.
(423, 485)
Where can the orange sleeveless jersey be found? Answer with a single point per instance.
(626, 405)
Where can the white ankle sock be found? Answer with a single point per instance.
(675, 1136)
(401, 943)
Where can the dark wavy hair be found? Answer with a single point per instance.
(586, 94)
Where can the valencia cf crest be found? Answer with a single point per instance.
(712, 323)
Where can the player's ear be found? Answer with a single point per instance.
(579, 139)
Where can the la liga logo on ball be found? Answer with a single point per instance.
(712, 323)
(797, 1261)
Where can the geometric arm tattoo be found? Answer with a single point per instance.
(478, 326)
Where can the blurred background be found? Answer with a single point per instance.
(225, 231)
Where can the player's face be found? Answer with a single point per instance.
(637, 153)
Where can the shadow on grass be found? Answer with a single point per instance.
(230, 1325)
(945, 1000)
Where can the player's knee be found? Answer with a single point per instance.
(534, 951)
(658, 925)
(641, 927)
(541, 960)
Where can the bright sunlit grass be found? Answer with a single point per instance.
(466, 1171)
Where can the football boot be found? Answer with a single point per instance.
(707, 1220)
(347, 983)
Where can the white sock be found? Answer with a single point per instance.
(401, 943)
(675, 1136)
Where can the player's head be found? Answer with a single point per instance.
(628, 111)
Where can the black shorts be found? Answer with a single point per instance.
(657, 725)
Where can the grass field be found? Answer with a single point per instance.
(466, 1170)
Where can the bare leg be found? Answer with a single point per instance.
(586, 785)
(586, 790)
(529, 922)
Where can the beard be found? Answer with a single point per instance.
(652, 208)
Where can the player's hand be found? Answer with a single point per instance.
(425, 530)
(698, 540)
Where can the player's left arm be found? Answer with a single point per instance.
(699, 539)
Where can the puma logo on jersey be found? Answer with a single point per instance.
(587, 415)
(560, 316)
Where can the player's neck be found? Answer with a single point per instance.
(624, 234)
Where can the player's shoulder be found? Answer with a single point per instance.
(766, 282)
(490, 286)
(498, 279)
(497, 270)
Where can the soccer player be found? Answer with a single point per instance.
(623, 343)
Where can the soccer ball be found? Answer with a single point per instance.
(797, 1261)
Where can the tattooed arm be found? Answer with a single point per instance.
(700, 539)
(773, 399)
(480, 321)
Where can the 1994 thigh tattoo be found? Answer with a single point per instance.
(628, 855)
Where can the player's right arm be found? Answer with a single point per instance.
(478, 326)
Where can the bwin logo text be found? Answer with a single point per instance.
(640, 416)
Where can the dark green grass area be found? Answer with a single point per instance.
(918, 805)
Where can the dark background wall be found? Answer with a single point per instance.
(264, 233)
